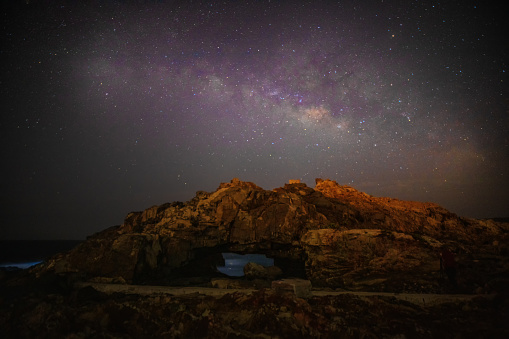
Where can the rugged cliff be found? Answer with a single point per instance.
(333, 235)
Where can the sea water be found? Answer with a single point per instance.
(22, 254)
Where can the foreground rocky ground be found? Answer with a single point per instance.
(49, 307)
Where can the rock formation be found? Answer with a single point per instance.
(333, 235)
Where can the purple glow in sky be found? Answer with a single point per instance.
(112, 106)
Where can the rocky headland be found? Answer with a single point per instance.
(332, 237)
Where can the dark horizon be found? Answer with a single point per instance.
(115, 106)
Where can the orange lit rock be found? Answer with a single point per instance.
(340, 236)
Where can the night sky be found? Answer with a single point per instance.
(110, 107)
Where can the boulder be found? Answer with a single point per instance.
(300, 287)
(254, 271)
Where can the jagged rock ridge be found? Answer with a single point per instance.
(334, 235)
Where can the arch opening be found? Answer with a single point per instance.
(228, 261)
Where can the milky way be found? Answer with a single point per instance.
(114, 107)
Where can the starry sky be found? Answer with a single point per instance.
(110, 107)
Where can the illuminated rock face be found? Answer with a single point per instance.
(341, 235)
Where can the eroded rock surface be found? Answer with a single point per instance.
(332, 235)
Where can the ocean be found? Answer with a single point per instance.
(22, 254)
